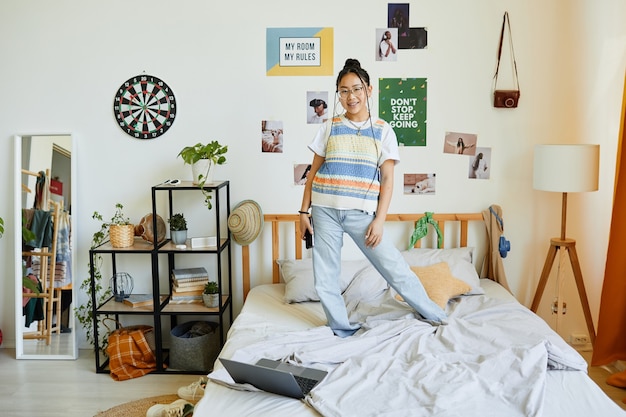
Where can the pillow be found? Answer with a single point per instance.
(458, 259)
(299, 280)
(366, 285)
(439, 283)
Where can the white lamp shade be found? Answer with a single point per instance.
(566, 168)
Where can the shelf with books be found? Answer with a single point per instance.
(115, 307)
(177, 290)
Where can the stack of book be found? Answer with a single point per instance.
(138, 300)
(188, 285)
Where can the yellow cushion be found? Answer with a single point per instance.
(439, 283)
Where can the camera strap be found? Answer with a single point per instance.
(498, 218)
(506, 23)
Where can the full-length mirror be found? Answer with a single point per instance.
(44, 267)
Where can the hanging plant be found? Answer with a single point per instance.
(84, 312)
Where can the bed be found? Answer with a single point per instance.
(494, 357)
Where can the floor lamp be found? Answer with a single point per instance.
(565, 169)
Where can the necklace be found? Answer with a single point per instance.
(358, 128)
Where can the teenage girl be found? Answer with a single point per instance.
(349, 191)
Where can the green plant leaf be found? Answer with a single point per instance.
(421, 230)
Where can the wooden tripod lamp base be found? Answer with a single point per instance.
(569, 245)
(566, 168)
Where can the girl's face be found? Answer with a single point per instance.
(353, 94)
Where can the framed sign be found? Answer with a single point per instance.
(299, 51)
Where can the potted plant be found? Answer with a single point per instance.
(203, 158)
(211, 294)
(121, 230)
(178, 229)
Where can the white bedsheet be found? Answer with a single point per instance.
(492, 359)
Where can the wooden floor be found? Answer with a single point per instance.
(46, 388)
(72, 388)
(599, 375)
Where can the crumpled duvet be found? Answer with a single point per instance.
(490, 359)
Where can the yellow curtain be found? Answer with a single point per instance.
(610, 344)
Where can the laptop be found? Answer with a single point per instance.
(275, 376)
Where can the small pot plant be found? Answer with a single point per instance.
(211, 294)
(178, 229)
(121, 230)
(203, 158)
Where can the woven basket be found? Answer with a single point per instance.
(122, 235)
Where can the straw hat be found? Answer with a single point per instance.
(245, 222)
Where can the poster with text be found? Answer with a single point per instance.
(402, 103)
(299, 51)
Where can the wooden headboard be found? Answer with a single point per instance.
(274, 221)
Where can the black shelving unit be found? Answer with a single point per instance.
(166, 251)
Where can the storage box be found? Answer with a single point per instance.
(194, 346)
(204, 242)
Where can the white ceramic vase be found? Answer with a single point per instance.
(204, 168)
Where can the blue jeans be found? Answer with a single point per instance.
(329, 226)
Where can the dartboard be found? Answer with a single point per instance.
(145, 107)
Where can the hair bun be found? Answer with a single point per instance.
(352, 63)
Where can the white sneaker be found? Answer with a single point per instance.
(179, 408)
(194, 391)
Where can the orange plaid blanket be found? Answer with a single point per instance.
(130, 354)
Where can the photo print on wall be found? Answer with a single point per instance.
(417, 39)
(317, 107)
(300, 173)
(398, 17)
(479, 164)
(416, 184)
(387, 44)
(460, 143)
(272, 136)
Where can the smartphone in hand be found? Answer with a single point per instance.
(308, 237)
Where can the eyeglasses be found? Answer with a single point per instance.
(345, 92)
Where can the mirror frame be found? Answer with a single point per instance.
(19, 322)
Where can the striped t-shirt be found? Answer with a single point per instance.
(349, 177)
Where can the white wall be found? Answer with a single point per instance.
(64, 60)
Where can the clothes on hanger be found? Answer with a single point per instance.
(41, 225)
(42, 191)
(493, 267)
